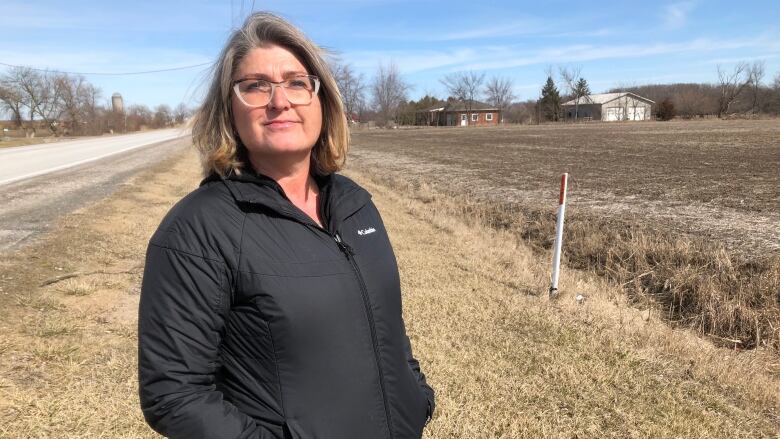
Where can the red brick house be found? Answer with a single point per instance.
(459, 114)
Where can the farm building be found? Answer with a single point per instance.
(456, 113)
(610, 107)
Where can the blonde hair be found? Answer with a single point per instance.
(213, 132)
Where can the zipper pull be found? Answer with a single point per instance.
(342, 245)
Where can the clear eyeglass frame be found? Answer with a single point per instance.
(291, 94)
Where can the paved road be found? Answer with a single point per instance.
(19, 163)
(30, 206)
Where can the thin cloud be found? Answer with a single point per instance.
(676, 15)
(411, 61)
(500, 57)
(523, 27)
(595, 33)
(102, 61)
(518, 27)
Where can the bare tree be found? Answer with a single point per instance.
(464, 86)
(522, 112)
(138, 116)
(353, 89)
(163, 116)
(46, 96)
(89, 95)
(11, 102)
(51, 98)
(499, 93)
(41, 93)
(731, 84)
(181, 113)
(388, 92)
(575, 85)
(79, 102)
(755, 74)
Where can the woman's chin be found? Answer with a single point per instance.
(279, 150)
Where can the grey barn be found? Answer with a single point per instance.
(610, 107)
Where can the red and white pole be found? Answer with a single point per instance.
(556, 263)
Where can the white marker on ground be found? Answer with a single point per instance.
(556, 262)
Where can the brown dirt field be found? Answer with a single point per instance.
(505, 361)
(716, 179)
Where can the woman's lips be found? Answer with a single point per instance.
(280, 124)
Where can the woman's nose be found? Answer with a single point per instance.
(279, 99)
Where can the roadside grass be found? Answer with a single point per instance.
(729, 296)
(75, 287)
(22, 141)
(68, 364)
(504, 360)
(509, 363)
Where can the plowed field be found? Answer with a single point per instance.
(717, 179)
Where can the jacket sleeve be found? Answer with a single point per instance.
(415, 366)
(179, 331)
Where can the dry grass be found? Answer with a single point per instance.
(68, 364)
(505, 362)
(26, 141)
(682, 215)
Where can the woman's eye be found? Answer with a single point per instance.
(256, 86)
(297, 83)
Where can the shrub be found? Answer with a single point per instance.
(666, 110)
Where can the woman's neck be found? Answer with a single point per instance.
(295, 179)
(292, 174)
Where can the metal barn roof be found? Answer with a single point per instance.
(603, 98)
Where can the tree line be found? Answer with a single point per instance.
(385, 101)
(740, 91)
(65, 104)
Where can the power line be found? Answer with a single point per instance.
(107, 73)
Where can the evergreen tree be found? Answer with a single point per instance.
(551, 101)
(581, 89)
(408, 110)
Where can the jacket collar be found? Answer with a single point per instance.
(340, 197)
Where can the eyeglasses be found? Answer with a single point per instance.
(258, 92)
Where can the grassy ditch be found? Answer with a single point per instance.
(70, 301)
(733, 298)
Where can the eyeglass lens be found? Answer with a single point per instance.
(258, 92)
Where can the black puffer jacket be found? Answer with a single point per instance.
(257, 323)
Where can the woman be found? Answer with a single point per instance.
(271, 305)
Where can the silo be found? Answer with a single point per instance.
(116, 103)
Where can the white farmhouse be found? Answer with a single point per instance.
(609, 107)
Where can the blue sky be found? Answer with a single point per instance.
(614, 43)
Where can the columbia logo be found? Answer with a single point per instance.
(367, 231)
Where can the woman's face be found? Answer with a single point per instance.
(279, 128)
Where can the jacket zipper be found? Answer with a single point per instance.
(347, 250)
